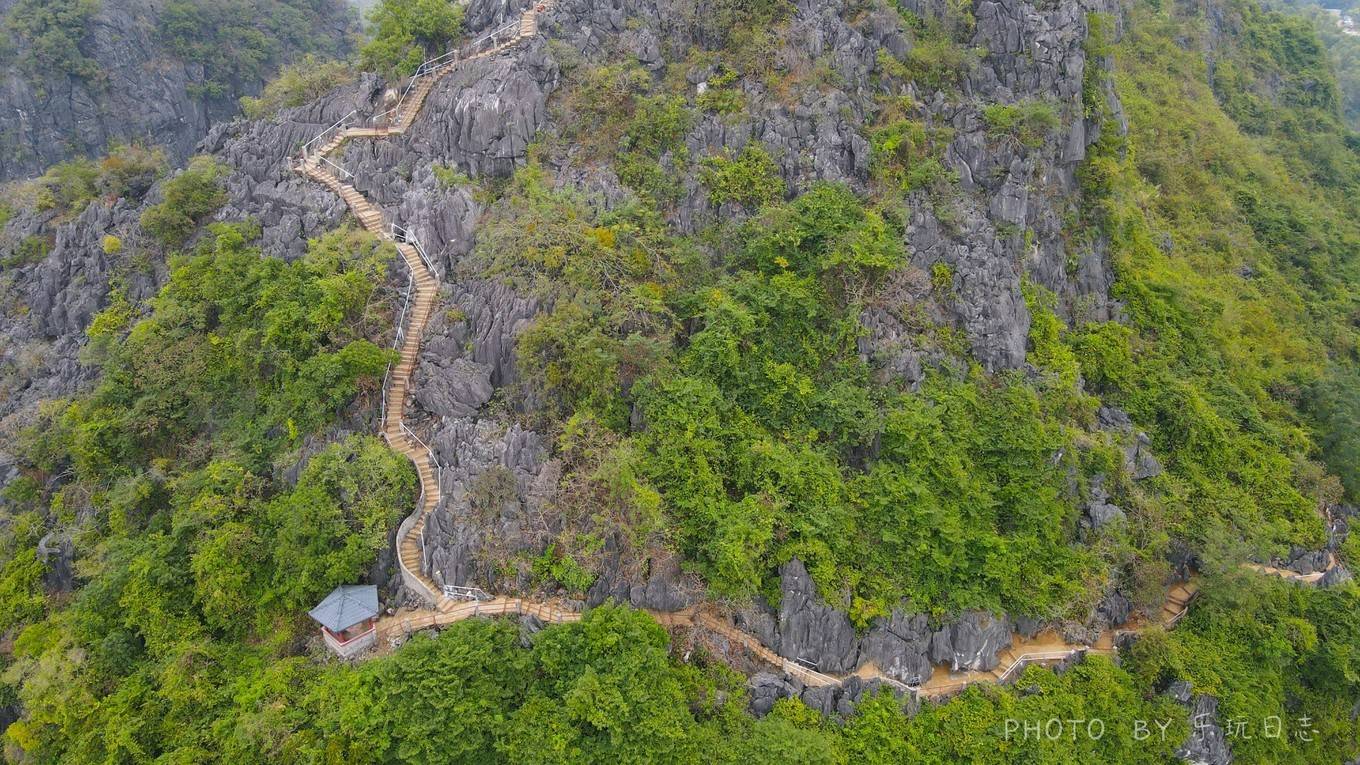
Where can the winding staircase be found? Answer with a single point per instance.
(454, 603)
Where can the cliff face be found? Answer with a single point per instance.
(140, 90)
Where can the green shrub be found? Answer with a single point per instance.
(407, 32)
(658, 124)
(600, 102)
(238, 350)
(298, 84)
(112, 245)
(450, 177)
(31, 249)
(1047, 351)
(68, 187)
(906, 155)
(1029, 122)
(723, 94)
(942, 280)
(49, 33)
(750, 179)
(189, 198)
(129, 171)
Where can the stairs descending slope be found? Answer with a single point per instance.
(425, 288)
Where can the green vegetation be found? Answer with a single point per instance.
(723, 95)
(1344, 51)
(189, 197)
(240, 352)
(907, 155)
(937, 58)
(298, 84)
(450, 177)
(752, 412)
(751, 178)
(407, 32)
(1028, 122)
(198, 555)
(239, 42)
(707, 396)
(128, 172)
(49, 32)
(1266, 649)
(607, 690)
(29, 250)
(1231, 252)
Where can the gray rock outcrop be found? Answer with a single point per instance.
(1207, 744)
(143, 91)
(811, 631)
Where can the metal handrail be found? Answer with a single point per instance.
(1023, 660)
(396, 108)
(469, 49)
(306, 147)
(435, 66)
(466, 593)
(404, 235)
(346, 173)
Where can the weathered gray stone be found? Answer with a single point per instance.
(765, 689)
(972, 642)
(809, 630)
(57, 554)
(143, 92)
(1207, 744)
(898, 646)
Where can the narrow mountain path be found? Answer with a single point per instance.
(458, 604)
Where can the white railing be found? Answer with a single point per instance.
(405, 235)
(339, 125)
(466, 593)
(505, 34)
(347, 174)
(489, 41)
(395, 111)
(1025, 659)
(397, 343)
(439, 64)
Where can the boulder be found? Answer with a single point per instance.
(766, 688)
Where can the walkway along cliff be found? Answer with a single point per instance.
(454, 604)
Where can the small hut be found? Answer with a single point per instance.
(348, 618)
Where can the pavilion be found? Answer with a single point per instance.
(348, 618)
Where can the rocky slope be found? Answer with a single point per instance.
(142, 91)
(481, 121)
(1005, 223)
(1006, 188)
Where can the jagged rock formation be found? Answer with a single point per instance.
(142, 92)
(766, 689)
(1207, 744)
(903, 646)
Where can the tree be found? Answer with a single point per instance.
(406, 32)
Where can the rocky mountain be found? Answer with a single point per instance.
(133, 70)
(990, 143)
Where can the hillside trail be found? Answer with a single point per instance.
(453, 604)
